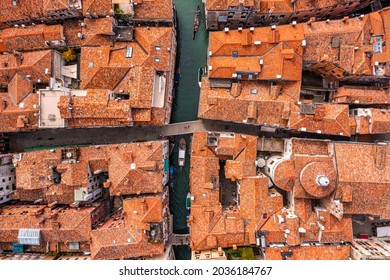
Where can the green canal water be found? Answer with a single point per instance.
(191, 55)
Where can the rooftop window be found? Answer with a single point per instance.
(253, 91)
(157, 48)
(235, 54)
(129, 52)
(14, 3)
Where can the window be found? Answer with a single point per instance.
(74, 245)
(235, 54)
(129, 52)
(1, 189)
(91, 64)
(250, 77)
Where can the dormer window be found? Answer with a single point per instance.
(235, 54)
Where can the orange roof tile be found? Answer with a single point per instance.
(24, 9)
(31, 37)
(154, 9)
(211, 225)
(366, 175)
(327, 252)
(361, 95)
(127, 172)
(99, 7)
(334, 119)
(56, 225)
(52, 5)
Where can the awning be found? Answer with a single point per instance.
(28, 236)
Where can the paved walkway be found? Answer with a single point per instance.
(115, 135)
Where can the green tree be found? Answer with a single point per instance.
(69, 55)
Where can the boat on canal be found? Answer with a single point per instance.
(182, 152)
(188, 201)
(200, 75)
(196, 22)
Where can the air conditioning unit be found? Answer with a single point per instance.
(47, 71)
(226, 29)
(240, 29)
(252, 29)
(80, 35)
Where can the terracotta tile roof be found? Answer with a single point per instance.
(327, 252)
(30, 37)
(128, 165)
(18, 75)
(98, 32)
(223, 4)
(361, 95)
(211, 225)
(24, 9)
(327, 119)
(277, 6)
(71, 30)
(52, 5)
(357, 186)
(344, 42)
(154, 9)
(251, 102)
(99, 7)
(278, 50)
(366, 177)
(17, 117)
(109, 68)
(125, 237)
(19, 88)
(29, 63)
(93, 108)
(60, 224)
(370, 121)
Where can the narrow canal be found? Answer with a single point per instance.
(191, 55)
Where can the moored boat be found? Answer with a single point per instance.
(188, 201)
(182, 152)
(196, 22)
(200, 75)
